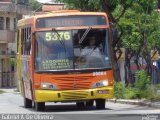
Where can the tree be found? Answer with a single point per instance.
(35, 5)
(13, 1)
(24, 2)
(84, 5)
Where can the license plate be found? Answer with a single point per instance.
(103, 91)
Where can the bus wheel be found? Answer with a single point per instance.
(90, 103)
(27, 103)
(80, 104)
(40, 106)
(100, 103)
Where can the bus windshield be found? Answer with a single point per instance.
(64, 50)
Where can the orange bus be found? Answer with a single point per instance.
(64, 56)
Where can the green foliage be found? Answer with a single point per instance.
(13, 61)
(147, 93)
(1, 91)
(158, 86)
(142, 80)
(142, 85)
(156, 95)
(122, 92)
(13, 1)
(130, 93)
(140, 28)
(35, 5)
(141, 89)
(95, 5)
(24, 2)
(152, 93)
(84, 5)
(119, 90)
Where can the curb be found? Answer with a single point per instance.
(136, 102)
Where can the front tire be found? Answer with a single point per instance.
(40, 106)
(80, 104)
(100, 103)
(27, 103)
(90, 103)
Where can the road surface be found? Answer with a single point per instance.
(12, 102)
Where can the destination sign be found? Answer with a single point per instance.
(55, 64)
(70, 21)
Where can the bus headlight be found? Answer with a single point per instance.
(48, 86)
(101, 83)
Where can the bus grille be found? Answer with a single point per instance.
(74, 83)
(76, 95)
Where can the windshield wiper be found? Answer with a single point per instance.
(84, 35)
(61, 42)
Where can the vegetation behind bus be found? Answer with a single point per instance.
(142, 89)
(34, 4)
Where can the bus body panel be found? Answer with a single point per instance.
(75, 93)
(83, 80)
(27, 76)
(25, 70)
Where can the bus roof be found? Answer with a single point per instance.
(30, 20)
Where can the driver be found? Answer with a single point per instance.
(91, 50)
(91, 56)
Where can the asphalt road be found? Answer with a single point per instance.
(12, 102)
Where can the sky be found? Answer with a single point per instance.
(44, 1)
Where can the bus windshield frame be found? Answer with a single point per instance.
(62, 43)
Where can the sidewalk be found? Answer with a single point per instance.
(9, 90)
(137, 102)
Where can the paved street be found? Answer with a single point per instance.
(12, 102)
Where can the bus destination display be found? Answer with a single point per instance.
(69, 21)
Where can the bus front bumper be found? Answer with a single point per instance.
(73, 95)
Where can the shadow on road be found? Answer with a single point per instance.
(68, 108)
(65, 108)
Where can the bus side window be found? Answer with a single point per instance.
(22, 43)
(25, 39)
(28, 41)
